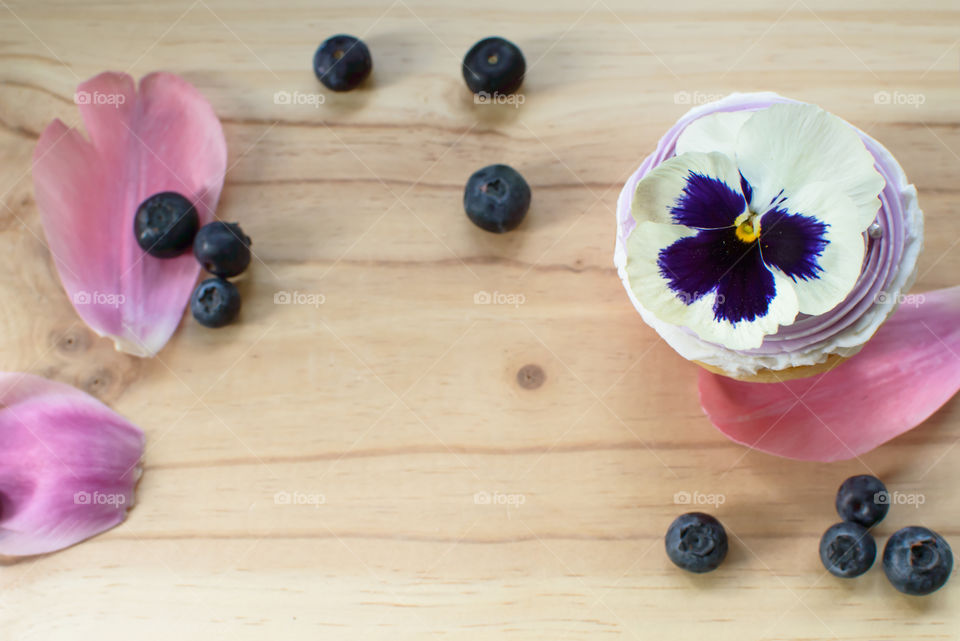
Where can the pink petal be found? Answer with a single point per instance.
(68, 465)
(164, 138)
(905, 372)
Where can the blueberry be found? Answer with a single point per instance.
(863, 499)
(222, 248)
(696, 542)
(847, 550)
(165, 224)
(342, 62)
(496, 198)
(494, 65)
(215, 302)
(917, 560)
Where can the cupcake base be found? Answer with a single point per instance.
(779, 376)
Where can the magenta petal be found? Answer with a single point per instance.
(165, 137)
(905, 372)
(68, 465)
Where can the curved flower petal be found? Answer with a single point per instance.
(165, 137)
(903, 375)
(746, 287)
(823, 260)
(716, 260)
(68, 465)
(793, 243)
(713, 132)
(787, 146)
(674, 290)
(696, 190)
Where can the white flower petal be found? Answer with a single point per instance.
(750, 334)
(648, 284)
(787, 146)
(652, 290)
(841, 260)
(716, 132)
(659, 192)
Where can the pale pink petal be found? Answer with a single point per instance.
(165, 137)
(907, 371)
(68, 465)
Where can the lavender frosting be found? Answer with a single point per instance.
(889, 266)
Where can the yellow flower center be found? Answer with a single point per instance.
(748, 226)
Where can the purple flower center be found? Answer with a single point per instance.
(737, 266)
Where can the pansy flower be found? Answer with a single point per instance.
(758, 218)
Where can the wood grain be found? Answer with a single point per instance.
(431, 494)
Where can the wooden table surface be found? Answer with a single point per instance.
(365, 462)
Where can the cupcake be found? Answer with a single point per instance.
(767, 239)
